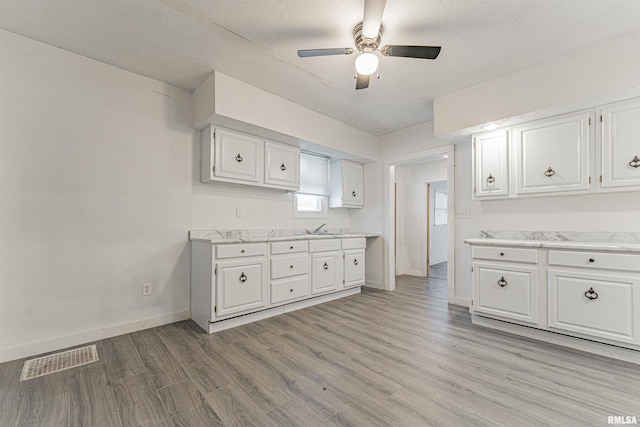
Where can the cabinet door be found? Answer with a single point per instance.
(325, 274)
(491, 174)
(352, 184)
(282, 165)
(620, 147)
(506, 290)
(599, 305)
(240, 287)
(553, 155)
(237, 156)
(353, 267)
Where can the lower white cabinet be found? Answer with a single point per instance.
(589, 294)
(508, 290)
(325, 272)
(231, 281)
(289, 272)
(240, 286)
(594, 304)
(353, 267)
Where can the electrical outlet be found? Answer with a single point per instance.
(463, 214)
(146, 289)
(238, 213)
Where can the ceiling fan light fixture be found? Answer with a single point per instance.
(366, 63)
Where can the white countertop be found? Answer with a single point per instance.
(556, 244)
(243, 236)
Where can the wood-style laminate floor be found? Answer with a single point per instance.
(380, 358)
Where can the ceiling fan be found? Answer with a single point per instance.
(367, 36)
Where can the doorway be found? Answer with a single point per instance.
(435, 228)
(397, 198)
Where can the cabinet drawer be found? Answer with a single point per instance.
(604, 260)
(324, 245)
(239, 250)
(506, 291)
(593, 304)
(499, 253)
(289, 266)
(289, 290)
(289, 247)
(354, 243)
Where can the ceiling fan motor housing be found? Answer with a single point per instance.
(363, 43)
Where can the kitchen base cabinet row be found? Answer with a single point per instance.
(237, 283)
(587, 294)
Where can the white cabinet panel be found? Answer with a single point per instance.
(237, 156)
(241, 287)
(289, 290)
(347, 184)
(506, 290)
(286, 266)
(552, 155)
(491, 170)
(500, 253)
(353, 267)
(325, 272)
(620, 146)
(600, 305)
(282, 165)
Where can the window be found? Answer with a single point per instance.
(309, 206)
(440, 208)
(311, 201)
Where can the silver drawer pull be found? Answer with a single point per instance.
(502, 283)
(635, 163)
(239, 158)
(549, 172)
(491, 179)
(243, 277)
(325, 266)
(591, 294)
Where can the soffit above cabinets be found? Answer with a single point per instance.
(255, 41)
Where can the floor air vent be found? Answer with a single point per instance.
(52, 363)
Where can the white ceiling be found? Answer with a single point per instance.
(181, 41)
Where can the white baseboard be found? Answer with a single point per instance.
(374, 285)
(464, 302)
(35, 348)
(411, 272)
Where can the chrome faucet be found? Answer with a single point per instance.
(318, 229)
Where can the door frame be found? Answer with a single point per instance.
(389, 236)
(426, 234)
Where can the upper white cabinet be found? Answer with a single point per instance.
(491, 169)
(347, 184)
(282, 165)
(234, 157)
(620, 146)
(552, 155)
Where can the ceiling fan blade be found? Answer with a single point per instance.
(305, 53)
(362, 81)
(372, 18)
(423, 52)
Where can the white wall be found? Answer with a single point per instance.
(596, 74)
(411, 214)
(98, 188)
